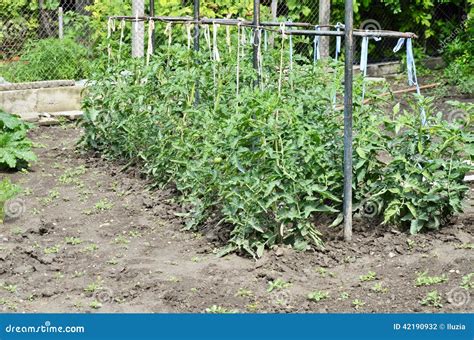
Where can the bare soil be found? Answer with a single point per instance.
(100, 240)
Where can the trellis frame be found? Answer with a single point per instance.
(348, 32)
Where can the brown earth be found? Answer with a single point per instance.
(99, 240)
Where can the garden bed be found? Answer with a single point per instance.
(92, 238)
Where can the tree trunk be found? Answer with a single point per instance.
(274, 9)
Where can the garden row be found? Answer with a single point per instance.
(268, 166)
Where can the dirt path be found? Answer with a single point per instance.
(94, 239)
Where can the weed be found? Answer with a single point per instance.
(344, 296)
(467, 281)
(433, 299)
(323, 272)
(112, 261)
(52, 250)
(121, 239)
(70, 176)
(219, 310)
(278, 284)
(253, 307)
(424, 280)
(90, 248)
(318, 296)
(370, 276)
(465, 246)
(195, 259)
(95, 304)
(411, 244)
(52, 195)
(73, 240)
(9, 288)
(379, 288)
(242, 292)
(357, 304)
(17, 231)
(174, 279)
(103, 205)
(94, 286)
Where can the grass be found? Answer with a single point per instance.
(424, 280)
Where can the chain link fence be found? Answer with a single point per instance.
(57, 39)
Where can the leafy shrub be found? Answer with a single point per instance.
(268, 166)
(48, 59)
(15, 147)
(459, 56)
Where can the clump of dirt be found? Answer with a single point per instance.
(93, 238)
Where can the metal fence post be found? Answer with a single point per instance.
(152, 14)
(347, 210)
(60, 23)
(197, 15)
(256, 37)
(138, 29)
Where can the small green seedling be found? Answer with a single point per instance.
(432, 299)
(424, 280)
(278, 284)
(379, 288)
(318, 296)
(242, 292)
(370, 276)
(219, 310)
(357, 304)
(52, 250)
(467, 281)
(344, 296)
(10, 288)
(73, 240)
(95, 304)
(103, 205)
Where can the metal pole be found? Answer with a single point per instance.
(138, 29)
(348, 72)
(152, 14)
(60, 23)
(197, 15)
(256, 37)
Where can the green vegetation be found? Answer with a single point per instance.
(424, 280)
(370, 276)
(15, 147)
(48, 59)
(268, 163)
(318, 296)
(433, 299)
(278, 284)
